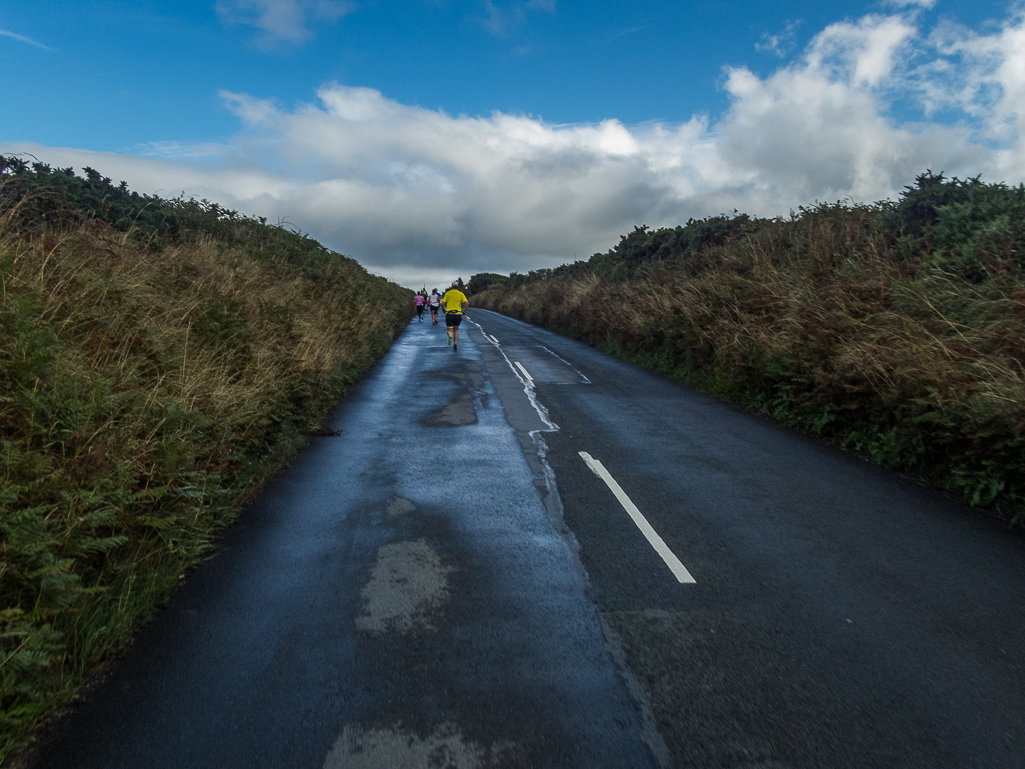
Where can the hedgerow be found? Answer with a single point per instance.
(159, 360)
(895, 329)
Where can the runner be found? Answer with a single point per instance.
(435, 302)
(455, 306)
(420, 307)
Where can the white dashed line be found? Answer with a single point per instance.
(678, 569)
(520, 367)
(492, 338)
(579, 373)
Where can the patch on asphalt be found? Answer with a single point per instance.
(699, 672)
(396, 748)
(456, 414)
(400, 506)
(408, 584)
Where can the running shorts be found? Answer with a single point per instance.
(453, 319)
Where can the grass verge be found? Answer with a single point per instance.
(896, 330)
(159, 361)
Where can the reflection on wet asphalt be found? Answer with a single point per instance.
(398, 597)
(449, 584)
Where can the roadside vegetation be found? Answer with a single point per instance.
(159, 359)
(895, 329)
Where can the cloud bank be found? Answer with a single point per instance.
(420, 195)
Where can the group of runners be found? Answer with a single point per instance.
(455, 304)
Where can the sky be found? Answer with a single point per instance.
(435, 139)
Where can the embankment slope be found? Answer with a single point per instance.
(895, 329)
(159, 360)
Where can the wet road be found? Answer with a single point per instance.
(484, 569)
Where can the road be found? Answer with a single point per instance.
(527, 553)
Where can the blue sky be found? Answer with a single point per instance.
(432, 137)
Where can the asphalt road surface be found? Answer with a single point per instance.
(528, 554)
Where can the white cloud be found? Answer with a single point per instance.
(984, 76)
(282, 20)
(250, 111)
(780, 44)
(23, 39)
(859, 54)
(175, 150)
(503, 20)
(413, 192)
(818, 129)
(927, 4)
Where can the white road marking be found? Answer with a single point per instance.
(542, 412)
(678, 569)
(492, 338)
(520, 367)
(579, 373)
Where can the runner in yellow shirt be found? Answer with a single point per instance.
(455, 305)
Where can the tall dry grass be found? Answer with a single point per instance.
(144, 395)
(823, 323)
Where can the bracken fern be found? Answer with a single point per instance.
(151, 377)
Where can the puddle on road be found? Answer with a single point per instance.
(408, 584)
(396, 748)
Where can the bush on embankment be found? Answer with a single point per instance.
(896, 329)
(158, 360)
